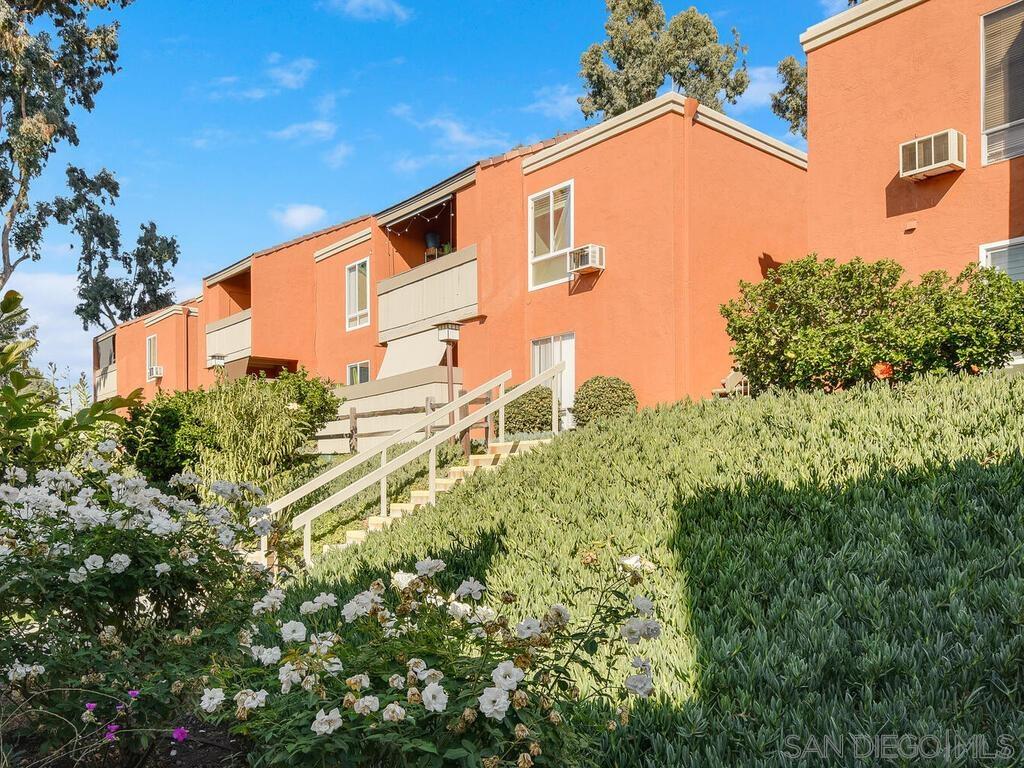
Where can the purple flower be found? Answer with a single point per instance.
(119, 707)
(179, 733)
(90, 705)
(133, 694)
(112, 727)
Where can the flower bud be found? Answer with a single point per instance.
(413, 696)
(535, 748)
(469, 715)
(521, 731)
(524, 761)
(520, 699)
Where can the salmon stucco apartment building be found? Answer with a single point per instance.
(612, 248)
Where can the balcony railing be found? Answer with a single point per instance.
(440, 291)
(105, 380)
(229, 339)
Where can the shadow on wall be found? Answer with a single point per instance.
(768, 264)
(903, 196)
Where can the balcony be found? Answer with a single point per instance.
(441, 291)
(105, 382)
(229, 339)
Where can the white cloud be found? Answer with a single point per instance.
(372, 10)
(832, 7)
(289, 74)
(337, 156)
(230, 87)
(456, 134)
(764, 81)
(555, 101)
(314, 130)
(298, 216)
(51, 298)
(208, 138)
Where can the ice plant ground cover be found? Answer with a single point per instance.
(408, 673)
(826, 564)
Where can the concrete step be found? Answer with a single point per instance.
(379, 523)
(446, 483)
(517, 446)
(402, 509)
(357, 536)
(487, 459)
(420, 498)
(461, 472)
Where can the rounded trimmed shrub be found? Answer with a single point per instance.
(601, 396)
(530, 413)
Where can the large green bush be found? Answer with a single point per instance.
(530, 413)
(824, 325)
(832, 564)
(601, 397)
(163, 436)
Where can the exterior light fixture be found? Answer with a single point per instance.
(448, 332)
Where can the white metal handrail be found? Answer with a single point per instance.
(418, 426)
(305, 519)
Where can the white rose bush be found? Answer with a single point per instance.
(114, 594)
(409, 673)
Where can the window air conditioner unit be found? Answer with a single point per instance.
(156, 372)
(586, 258)
(931, 155)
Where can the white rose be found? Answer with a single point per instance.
(470, 588)
(161, 568)
(435, 698)
(494, 703)
(429, 567)
(393, 712)
(119, 563)
(212, 699)
(293, 632)
(507, 676)
(366, 705)
(640, 685)
(93, 562)
(326, 722)
(527, 628)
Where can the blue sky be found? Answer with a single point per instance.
(235, 131)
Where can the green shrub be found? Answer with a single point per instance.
(830, 564)
(530, 413)
(602, 397)
(314, 396)
(163, 436)
(824, 325)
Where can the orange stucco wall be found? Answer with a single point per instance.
(177, 352)
(683, 211)
(909, 75)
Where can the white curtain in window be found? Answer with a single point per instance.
(1008, 259)
(557, 349)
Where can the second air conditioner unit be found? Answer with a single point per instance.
(931, 155)
(586, 258)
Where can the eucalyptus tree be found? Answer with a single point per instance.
(641, 51)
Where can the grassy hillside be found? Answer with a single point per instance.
(828, 565)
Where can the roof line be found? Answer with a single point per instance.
(849, 21)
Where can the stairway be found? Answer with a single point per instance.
(497, 454)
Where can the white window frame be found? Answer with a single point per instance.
(981, 107)
(353, 321)
(152, 362)
(564, 253)
(357, 366)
